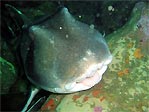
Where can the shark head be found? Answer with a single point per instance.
(63, 55)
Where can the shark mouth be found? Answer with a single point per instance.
(91, 77)
(87, 81)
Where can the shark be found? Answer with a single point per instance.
(64, 55)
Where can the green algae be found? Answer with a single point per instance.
(10, 66)
(7, 75)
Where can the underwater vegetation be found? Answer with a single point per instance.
(7, 75)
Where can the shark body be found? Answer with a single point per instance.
(63, 55)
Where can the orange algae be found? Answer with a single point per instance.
(102, 98)
(126, 71)
(138, 54)
(95, 93)
(123, 72)
(75, 97)
(85, 98)
(120, 73)
(49, 105)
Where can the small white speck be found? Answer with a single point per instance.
(110, 8)
(67, 35)
(80, 16)
(60, 27)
